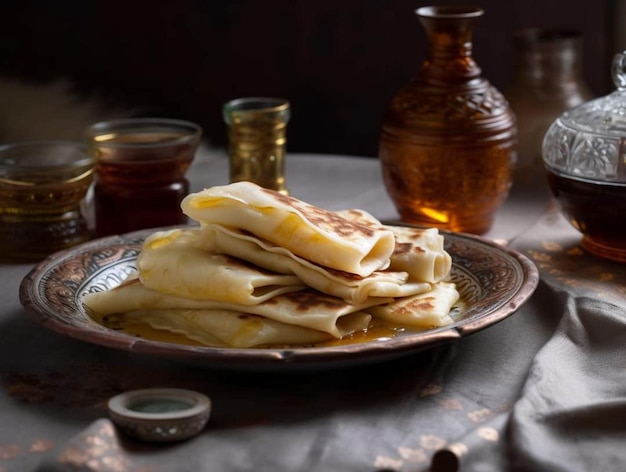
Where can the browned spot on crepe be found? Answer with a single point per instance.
(417, 304)
(306, 300)
(324, 219)
(407, 248)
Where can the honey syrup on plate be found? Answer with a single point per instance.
(118, 322)
(377, 331)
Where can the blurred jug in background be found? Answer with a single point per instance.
(547, 80)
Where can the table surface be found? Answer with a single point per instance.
(544, 389)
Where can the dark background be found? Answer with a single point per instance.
(338, 62)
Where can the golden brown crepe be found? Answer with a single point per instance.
(266, 269)
(350, 287)
(427, 310)
(318, 235)
(306, 308)
(172, 262)
(419, 252)
(226, 328)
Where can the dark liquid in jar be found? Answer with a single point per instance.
(140, 187)
(595, 209)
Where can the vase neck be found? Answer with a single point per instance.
(449, 47)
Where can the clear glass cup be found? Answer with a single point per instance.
(43, 186)
(257, 137)
(140, 172)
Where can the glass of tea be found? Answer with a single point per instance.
(43, 185)
(257, 128)
(140, 168)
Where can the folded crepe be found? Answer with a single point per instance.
(427, 310)
(172, 262)
(227, 328)
(350, 287)
(419, 252)
(318, 235)
(266, 269)
(306, 308)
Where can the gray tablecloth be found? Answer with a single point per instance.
(542, 390)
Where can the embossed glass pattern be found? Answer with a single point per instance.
(587, 141)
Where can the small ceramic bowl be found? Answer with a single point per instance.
(160, 415)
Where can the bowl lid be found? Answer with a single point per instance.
(586, 141)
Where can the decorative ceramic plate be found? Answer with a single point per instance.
(492, 279)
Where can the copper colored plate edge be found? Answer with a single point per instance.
(525, 291)
(324, 357)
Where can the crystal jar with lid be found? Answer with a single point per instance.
(584, 152)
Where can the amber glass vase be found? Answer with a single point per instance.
(448, 140)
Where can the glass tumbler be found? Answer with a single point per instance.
(257, 129)
(140, 172)
(43, 185)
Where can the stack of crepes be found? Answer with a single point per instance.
(265, 269)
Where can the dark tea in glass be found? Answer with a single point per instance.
(140, 172)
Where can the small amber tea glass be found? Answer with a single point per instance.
(43, 186)
(140, 172)
(257, 137)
